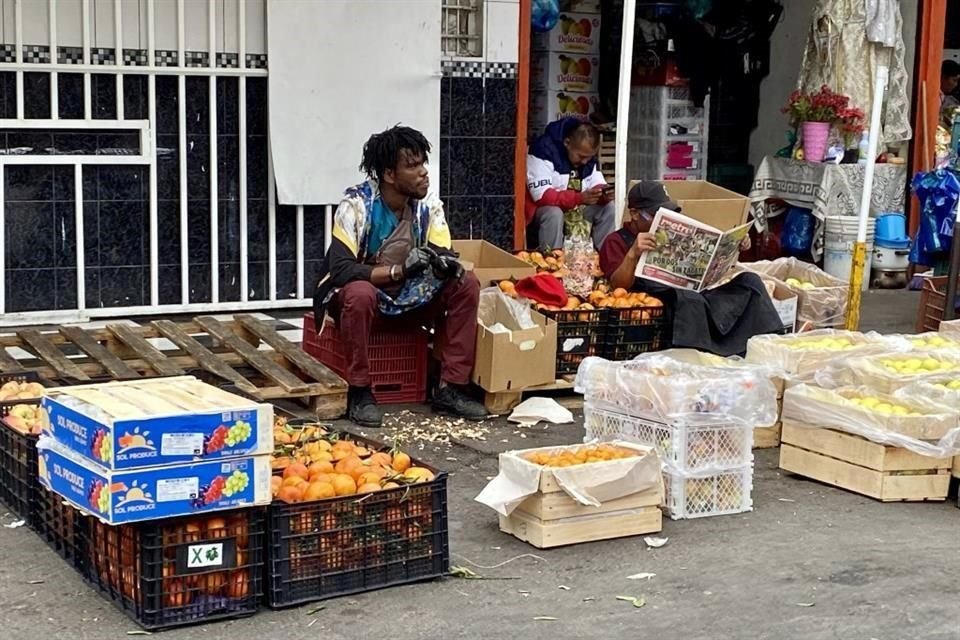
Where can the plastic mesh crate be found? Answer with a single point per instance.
(18, 466)
(688, 448)
(180, 571)
(719, 494)
(61, 526)
(631, 332)
(398, 359)
(354, 544)
(579, 334)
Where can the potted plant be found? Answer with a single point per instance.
(815, 114)
(850, 126)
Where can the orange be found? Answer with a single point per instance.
(619, 292)
(290, 494)
(369, 487)
(368, 477)
(523, 255)
(508, 287)
(323, 466)
(381, 458)
(418, 474)
(344, 485)
(324, 445)
(361, 452)
(390, 485)
(318, 491)
(293, 481)
(347, 465)
(275, 483)
(298, 469)
(401, 462)
(322, 477)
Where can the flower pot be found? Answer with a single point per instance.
(815, 135)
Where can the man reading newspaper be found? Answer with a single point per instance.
(719, 320)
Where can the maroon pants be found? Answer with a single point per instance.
(453, 312)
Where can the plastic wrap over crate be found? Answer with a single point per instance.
(803, 354)
(934, 431)
(943, 392)
(665, 390)
(926, 341)
(824, 305)
(888, 372)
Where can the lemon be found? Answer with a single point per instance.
(931, 365)
(953, 384)
(869, 403)
(899, 411)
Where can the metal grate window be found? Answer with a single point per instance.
(462, 29)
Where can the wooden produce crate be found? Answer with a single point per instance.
(767, 437)
(844, 460)
(551, 518)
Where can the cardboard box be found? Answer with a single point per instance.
(548, 106)
(152, 493)
(146, 423)
(559, 71)
(708, 203)
(514, 360)
(576, 32)
(490, 263)
(786, 302)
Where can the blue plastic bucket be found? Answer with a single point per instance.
(892, 227)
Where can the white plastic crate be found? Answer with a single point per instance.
(719, 494)
(682, 448)
(657, 114)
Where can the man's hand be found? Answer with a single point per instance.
(591, 196)
(645, 242)
(447, 266)
(745, 244)
(418, 261)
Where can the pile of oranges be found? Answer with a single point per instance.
(553, 262)
(573, 456)
(328, 467)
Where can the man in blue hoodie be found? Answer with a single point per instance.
(565, 186)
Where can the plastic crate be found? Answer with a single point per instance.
(62, 527)
(631, 332)
(18, 467)
(579, 334)
(22, 376)
(354, 544)
(685, 448)
(719, 494)
(933, 303)
(180, 571)
(398, 359)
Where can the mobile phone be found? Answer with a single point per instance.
(607, 189)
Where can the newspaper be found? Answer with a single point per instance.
(689, 254)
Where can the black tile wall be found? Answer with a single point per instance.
(103, 96)
(8, 94)
(476, 153)
(70, 95)
(135, 97)
(36, 95)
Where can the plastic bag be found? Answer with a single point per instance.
(935, 391)
(928, 341)
(938, 192)
(544, 14)
(578, 256)
(936, 433)
(665, 390)
(493, 300)
(822, 305)
(796, 238)
(802, 355)
(887, 372)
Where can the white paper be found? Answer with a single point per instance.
(176, 489)
(534, 410)
(181, 444)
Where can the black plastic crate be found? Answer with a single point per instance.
(62, 527)
(180, 571)
(353, 544)
(579, 334)
(18, 467)
(631, 332)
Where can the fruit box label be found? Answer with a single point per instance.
(146, 494)
(578, 32)
(555, 71)
(152, 441)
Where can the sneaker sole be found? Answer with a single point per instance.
(449, 413)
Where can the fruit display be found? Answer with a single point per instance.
(204, 569)
(720, 494)
(147, 423)
(802, 355)
(796, 283)
(822, 298)
(879, 405)
(25, 418)
(15, 390)
(911, 366)
(573, 456)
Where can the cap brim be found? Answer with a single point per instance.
(670, 204)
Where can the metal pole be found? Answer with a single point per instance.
(623, 104)
(860, 249)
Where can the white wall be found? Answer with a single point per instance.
(786, 54)
(502, 30)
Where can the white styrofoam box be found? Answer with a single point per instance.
(580, 6)
(559, 71)
(719, 494)
(500, 30)
(547, 106)
(576, 32)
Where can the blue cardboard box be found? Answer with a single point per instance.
(119, 497)
(147, 423)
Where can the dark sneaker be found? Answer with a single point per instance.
(362, 409)
(450, 401)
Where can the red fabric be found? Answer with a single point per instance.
(453, 312)
(543, 288)
(566, 199)
(612, 253)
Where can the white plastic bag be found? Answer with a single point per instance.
(888, 372)
(804, 354)
(518, 310)
(822, 305)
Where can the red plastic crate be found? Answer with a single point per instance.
(398, 359)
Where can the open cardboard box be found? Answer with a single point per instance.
(490, 263)
(514, 360)
(708, 203)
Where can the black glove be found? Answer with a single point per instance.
(417, 262)
(447, 266)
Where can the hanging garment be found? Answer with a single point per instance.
(841, 55)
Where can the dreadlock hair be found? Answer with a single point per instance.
(382, 151)
(585, 131)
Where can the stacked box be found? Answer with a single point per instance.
(669, 139)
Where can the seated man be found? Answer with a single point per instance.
(719, 320)
(390, 258)
(564, 184)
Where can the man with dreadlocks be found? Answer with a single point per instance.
(390, 258)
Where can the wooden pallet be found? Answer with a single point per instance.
(767, 437)
(504, 401)
(889, 474)
(122, 352)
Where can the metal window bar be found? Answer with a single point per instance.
(461, 28)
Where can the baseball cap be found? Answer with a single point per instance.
(648, 194)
